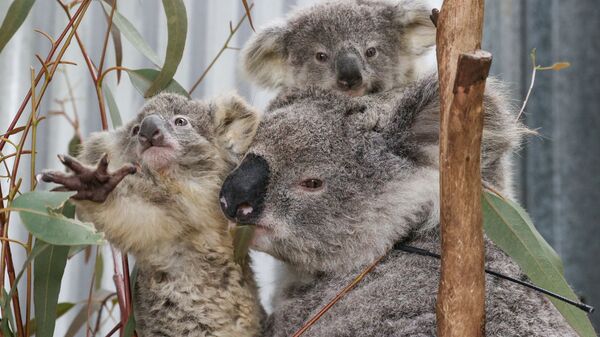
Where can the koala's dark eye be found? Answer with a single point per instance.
(180, 121)
(371, 52)
(312, 184)
(321, 57)
(135, 130)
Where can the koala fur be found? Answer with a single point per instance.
(188, 283)
(284, 54)
(376, 157)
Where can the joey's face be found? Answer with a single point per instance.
(345, 48)
(353, 46)
(169, 132)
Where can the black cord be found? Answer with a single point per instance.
(423, 252)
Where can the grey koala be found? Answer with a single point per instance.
(354, 46)
(333, 182)
(167, 213)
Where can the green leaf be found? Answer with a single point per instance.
(130, 325)
(509, 227)
(242, 237)
(98, 271)
(61, 309)
(177, 32)
(115, 115)
(48, 270)
(74, 146)
(133, 36)
(143, 78)
(15, 16)
(7, 326)
(41, 213)
(37, 249)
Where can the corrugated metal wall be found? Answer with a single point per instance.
(560, 169)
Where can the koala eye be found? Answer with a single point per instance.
(371, 52)
(135, 130)
(180, 121)
(312, 184)
(321, 57)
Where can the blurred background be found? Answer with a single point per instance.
(558, 172)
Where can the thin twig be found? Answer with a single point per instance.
(115, 329)
(6, 260)
(106, 35)
(337, 297)
(232, 31)
(528, 93)
(33, 183)
(53, 50)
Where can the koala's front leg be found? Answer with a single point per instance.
(93, 184)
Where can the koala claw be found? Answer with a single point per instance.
(94, 184)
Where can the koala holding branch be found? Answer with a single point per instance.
(167, 214)
(353, 46)
(332, 183)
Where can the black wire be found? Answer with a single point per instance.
(423, 252)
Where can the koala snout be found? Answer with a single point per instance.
(348, 69)
(151, 131)
(243, 192)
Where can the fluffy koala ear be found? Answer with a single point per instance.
(264, 56)
(415, 118)
(413, 18)
(235, 123)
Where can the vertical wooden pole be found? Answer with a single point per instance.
(463, 69)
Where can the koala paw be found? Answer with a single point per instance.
(94, 184)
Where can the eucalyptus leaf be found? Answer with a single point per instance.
(131, 323)
(176, 34)
(74, 146)
(37, 249)
(61, 309)
(242, 238)
(115, 115)
(15, 16)
(7, 325)
(41, 213)
(142, 80)
(133, 36)
(48, 270)
(98, 271)
(509, 227)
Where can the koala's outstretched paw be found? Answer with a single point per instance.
(94, 184)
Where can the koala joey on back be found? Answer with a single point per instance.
(333, 182)
(172, 159)
(354, 46)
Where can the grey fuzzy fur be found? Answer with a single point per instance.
(188, 283)
(282, 54)
(378, 158)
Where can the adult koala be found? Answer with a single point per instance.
(357, 46)
(332, 183)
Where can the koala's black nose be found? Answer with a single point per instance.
(348, 68)
(243, 191)
(151, 133)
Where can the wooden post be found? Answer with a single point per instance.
(463, 69)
